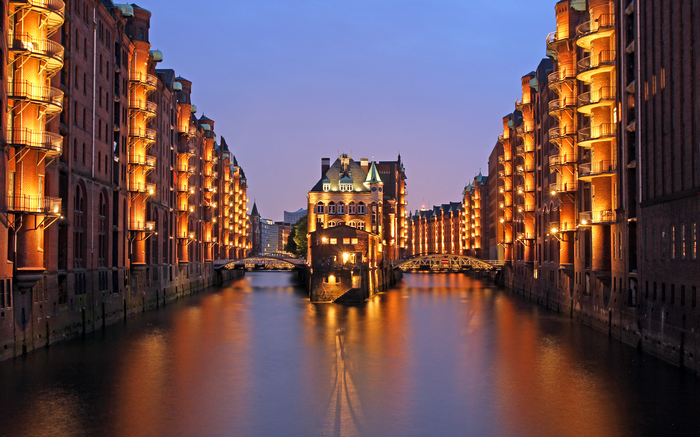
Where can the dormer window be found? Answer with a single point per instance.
(326, 187)
(345, 187)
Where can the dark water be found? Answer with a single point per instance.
(440, 355)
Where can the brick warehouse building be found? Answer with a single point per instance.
(114, 201)
(357, 195)
(596, 202)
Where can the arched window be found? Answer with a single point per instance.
(332, 223)
(78, 227)
(361, 208)
(331, 208)
(351, 208)
(341, 208)
(102, 231)
(319, 208)
(360, 225)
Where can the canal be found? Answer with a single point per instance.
(439, 355)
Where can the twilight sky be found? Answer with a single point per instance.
(289, 82)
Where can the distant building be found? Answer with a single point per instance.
(475, 223)
(269, 237)
(436, 230)
(293, 217)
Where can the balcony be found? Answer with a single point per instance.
(525, 168)
(602, 217)
(49, 97)
(48, 142)
(563, 187)
(147, 188)
(604, 96)
(526, 236)
(523, 130)
(149, 81)
(523, 189)
(142, 226)
(145, 134)
(45, 49)
(590, 170)
(527, 207)
(601, 63)
(149, 108)
(555, 39)
(588, 135)
(556, 106)
(183, 188)
(191, 150)
(501, 138)
(143, 161)
(557, 134)
(27, 204)
(523, 149)
(601, 27)
(53, 11)
(563, 159)
(565, 74)
(556, 227)
(190, 169)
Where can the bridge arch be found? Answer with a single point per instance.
(443, 262)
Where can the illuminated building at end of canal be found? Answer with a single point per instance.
(357, 226)
(118, 197)
(592, 200)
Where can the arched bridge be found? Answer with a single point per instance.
(261, 263)
(444, 262)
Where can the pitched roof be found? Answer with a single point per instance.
(254, 212)
(353, 173)
(373, 175)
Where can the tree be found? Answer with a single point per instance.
(300, 230)
(291, 246)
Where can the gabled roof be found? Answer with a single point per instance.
(353, 173)
(254, 212)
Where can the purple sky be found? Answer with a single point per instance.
(289, 82)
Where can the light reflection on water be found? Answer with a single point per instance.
(438, 355)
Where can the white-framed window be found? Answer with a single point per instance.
(331, 224)
(326, 187)
(346, 187)
(331, 208)
(361, 208)
(351, 208)
(361, 225)
(341, 208)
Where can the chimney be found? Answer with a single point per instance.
(325, 165)
(364, 164)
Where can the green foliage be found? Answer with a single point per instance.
(300, 230)
(291, 246)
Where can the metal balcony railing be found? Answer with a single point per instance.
(525, 188)
(54, 10)
(142, 226)
(601, 94)
(143, 105)
(48, 142)
(557, 133)
(562, 159)
(597, 217)
(597, 168)
(563, 187)
(566, 72)
(145, 79)
(604, 21)
(189, 169)
(148, 188)
(49, 96)
(526, 235)
(603, 130)
(561, 104)
(28, 204)
(143, 160)
(146, 134)
(605, 57)
(39, 47)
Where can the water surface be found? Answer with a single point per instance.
(439, 355)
